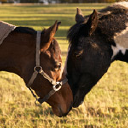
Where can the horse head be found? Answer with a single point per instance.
(51, 63)
(94, 44)
(85, 61)
(36, 57)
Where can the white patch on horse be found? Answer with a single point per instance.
(116, 49)
(121, 40)
(123, 3)
(65, 67)
(105, 13)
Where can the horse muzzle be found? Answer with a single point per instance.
(61, 111)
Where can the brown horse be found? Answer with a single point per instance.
(36, 57)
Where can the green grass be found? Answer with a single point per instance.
(106, 106)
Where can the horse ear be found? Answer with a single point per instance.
(79, 16)
(92, 22)
(49, 35)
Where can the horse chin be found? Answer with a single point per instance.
(59, 112)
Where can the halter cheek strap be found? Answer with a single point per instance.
(38, 70)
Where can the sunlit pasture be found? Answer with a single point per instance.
(106, 106)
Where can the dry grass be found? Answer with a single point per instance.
(106, 106)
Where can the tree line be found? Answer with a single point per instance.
(62, 1)
(69, 1)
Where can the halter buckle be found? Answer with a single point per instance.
(57, 87)
(38, 69)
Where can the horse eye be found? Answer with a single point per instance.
(57, 65)
(78, 53)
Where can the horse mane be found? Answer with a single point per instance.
(25, 30)
(103, 15)
(111, 17)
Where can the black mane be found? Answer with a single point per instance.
(109, 22)
(25, 30)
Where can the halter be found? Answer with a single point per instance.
(38, 70)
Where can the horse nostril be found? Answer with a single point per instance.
(60, 111)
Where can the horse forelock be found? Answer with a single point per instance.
(73, 32)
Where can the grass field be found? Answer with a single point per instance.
(106, 106)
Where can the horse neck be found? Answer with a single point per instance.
(17, 54)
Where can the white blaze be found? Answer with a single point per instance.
(116, 49)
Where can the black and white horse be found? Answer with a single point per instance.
(95, 42)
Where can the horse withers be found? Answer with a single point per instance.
(95, 42)
(36, 57)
